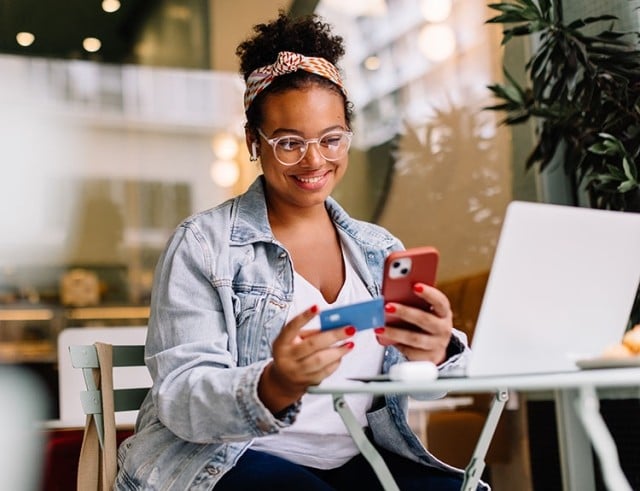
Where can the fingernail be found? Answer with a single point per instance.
(350, 330)
(379, 330)
(418, 288)
(314, 309)
(349, 345)
(390, 308)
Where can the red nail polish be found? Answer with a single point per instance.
(349, 345)
(314, 309)
(350, 330)
(418, 288)
(390, 308)
(379, 330)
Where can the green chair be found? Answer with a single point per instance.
(100, 401)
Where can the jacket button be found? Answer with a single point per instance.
(212, 470)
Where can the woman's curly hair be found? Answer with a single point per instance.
(306, 35)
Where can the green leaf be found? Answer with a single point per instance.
(545, 6)
(629, 170)
(514, 94)
(497, 107)
(599, 149)
(603, 178)
(505, 19)
(613, 143)
(615, 172)
(579, 23)
(511, 93)
(517, 119)
(505, 7)
(626, 186)
(521, 30)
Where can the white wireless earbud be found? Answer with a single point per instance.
(254, 152)
(413, 371)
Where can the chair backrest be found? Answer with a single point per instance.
(70, 379)
(86, 358)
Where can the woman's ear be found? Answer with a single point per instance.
(252, 144)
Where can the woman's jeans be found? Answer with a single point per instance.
(258, 470)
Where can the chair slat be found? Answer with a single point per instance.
(91, 401)
(123, 356)
(123, 400)
(129, 399)
(128, 356)
(84, 356)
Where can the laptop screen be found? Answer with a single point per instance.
(560, 289)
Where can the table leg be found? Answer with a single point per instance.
(474, 470)
(588, 409)
(364, 445)
(576, 461)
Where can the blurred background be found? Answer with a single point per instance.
(119, 118)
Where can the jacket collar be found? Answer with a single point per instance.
(250, 221)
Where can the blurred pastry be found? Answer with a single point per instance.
(631, 339)
(617, 351)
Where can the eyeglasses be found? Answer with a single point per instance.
(291, 149)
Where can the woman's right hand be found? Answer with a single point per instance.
(301, 358)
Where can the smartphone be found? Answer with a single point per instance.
(402, 269)
(362, 315)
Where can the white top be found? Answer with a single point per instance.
(318, 438)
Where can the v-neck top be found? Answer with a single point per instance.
(318, 437)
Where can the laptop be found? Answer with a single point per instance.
(560, 289)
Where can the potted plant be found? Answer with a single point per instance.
(584, 95)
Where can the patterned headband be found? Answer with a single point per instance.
(289, 62)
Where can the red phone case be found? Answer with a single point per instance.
(402, 269)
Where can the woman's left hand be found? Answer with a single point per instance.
(430, 331)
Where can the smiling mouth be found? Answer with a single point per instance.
(309, 180)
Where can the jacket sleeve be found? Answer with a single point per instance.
(199, 391)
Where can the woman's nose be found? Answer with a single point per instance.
(313, 157)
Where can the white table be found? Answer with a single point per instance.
(580, 424)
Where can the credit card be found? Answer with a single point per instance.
(362, 315)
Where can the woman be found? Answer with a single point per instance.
(233, 341)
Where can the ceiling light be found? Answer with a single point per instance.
(110, 5)
(436, 10)
(25, 38)
(225, 146)
(91, 44)
(437, 41)
(372, 63)
(224, 173)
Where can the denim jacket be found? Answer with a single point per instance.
(222, 290)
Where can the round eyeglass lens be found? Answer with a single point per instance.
(290, 150)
